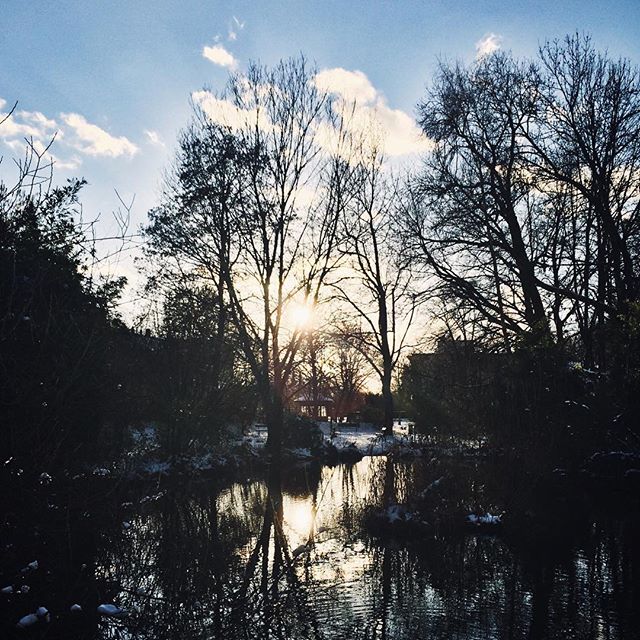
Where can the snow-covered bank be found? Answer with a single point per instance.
(333, 445)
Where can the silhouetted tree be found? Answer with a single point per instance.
(375, 284)
(56, 321)
(255, 212)
(527, 210)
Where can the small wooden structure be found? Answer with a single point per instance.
(316, 408)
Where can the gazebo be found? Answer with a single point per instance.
(318, 407)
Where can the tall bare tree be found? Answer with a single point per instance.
(527, 213)
(585, 142)
(375, 284)
(475, 221)
(259, 217)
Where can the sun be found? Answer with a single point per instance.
(301, 315)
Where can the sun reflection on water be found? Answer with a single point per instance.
(299, 516)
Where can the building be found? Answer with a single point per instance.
(318, 408)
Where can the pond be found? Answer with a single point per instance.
(287, 556)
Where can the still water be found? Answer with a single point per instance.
(288, 557)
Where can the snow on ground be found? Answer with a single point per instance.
(398, 513)
(366, 438)
(346, 442)
(487, 519)
(111, 611)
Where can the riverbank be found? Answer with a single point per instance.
(331, 445)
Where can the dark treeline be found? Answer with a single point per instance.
(516, 237)
(528, 208)
(527, 215)
(56, 322)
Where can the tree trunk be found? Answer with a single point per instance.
(534, 308)
(387, 397)
(314, 377)
(219, 343)
(275, 422)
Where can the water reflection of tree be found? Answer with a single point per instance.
(221, 564)
(272, 599)
(175, 568)
(209, 565)
(478, 586)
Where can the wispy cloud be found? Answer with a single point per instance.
(154, 137)
(26, 124)
(71, 131)
(38, 131)
(219, 55)
(487, 45)
(94, 141)
(35, 127)
(234, 26)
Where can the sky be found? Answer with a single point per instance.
(114, 79)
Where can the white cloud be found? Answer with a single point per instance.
(27, 124)
(11, 127)
(226, 113)
(39, 120)
(94, 141)
(369, 114)
(393, 128)
(351, 85)
(154, 137)
(71, 132)
(220, 56)
(400, 132)
(487, 45)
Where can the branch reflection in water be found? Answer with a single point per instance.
(288, 557)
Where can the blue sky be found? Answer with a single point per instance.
(115, 76)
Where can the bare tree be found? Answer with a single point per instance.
(527, 213)
(349, 371)
(474, 217)
(262, 220)
(375, 284)
(585, 144)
